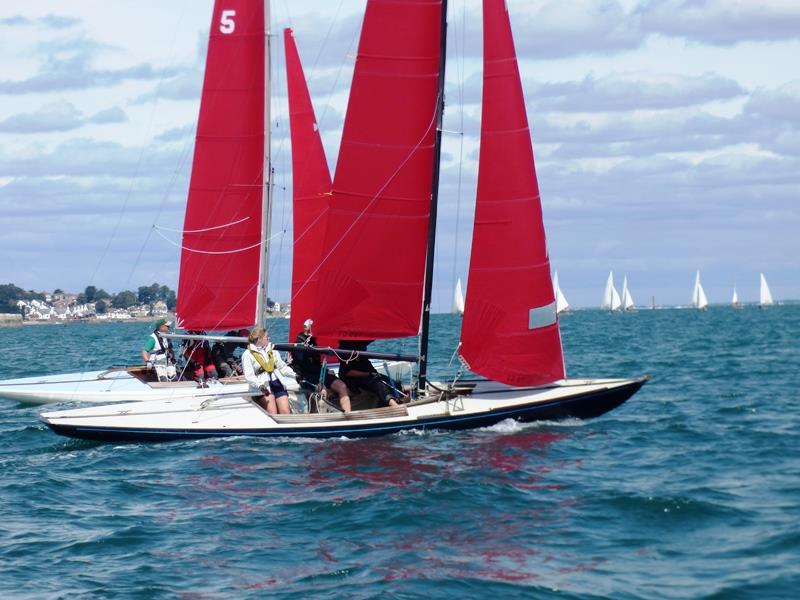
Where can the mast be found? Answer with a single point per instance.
(266, 193)
(437, 152)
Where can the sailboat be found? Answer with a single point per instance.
(561, 301)
(458, 299)
(627, 300)
(764, 295)
(699, 300)
(611, 299)
(384, 195)
(735, 299)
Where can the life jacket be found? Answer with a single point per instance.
(267, 365)
(162, 348)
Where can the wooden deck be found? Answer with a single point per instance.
(356, 415)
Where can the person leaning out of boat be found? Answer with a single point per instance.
(158, 353)
(358, 372)
(197, 353)
(264, 370)
(308, 366)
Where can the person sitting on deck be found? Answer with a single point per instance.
(359, 373)
(263, 370)
(158, 353)
(308, 366)
(224, 354)
(198, 359)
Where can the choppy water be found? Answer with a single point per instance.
(689, 490)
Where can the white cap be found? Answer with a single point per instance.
(308, 323)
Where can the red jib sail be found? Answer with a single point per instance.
(311, 182)
(223, 229)
(372, 271)
(510, 329)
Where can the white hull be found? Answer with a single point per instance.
(104, 387)
(119, 385)
(482, 403)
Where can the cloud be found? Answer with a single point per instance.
(187, 85)
(632, 92)
(184, 83)
(67, 65)
(562, 29)
(722, 22)
(177, 134)
(650, 135)
(49, 21)
(58, 116)
(83, 157)
(782, 104)
(109, 115)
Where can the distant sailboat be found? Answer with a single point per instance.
(699, 300)
(611, 300)
(765, 297)
(627, 299)
(458, 299)
(735, 300)
(561, 301)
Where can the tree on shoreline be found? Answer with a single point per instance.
(10, 294)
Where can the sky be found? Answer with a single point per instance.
(666, 135)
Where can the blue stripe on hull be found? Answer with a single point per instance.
(583, 406)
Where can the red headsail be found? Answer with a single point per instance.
(311, 182)
(221, 255)
(510, 330)
(373, 266)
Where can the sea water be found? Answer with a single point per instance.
(689, 490)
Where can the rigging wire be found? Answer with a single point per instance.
(137, 170)
(460, 53)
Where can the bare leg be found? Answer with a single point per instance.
(263, 401)
(270, 400)
(340, 388)
(283, 405)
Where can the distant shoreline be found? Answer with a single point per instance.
(74, 321)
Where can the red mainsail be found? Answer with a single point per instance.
(223, 229)
(372, 270)
(311, 182)
(510, 329)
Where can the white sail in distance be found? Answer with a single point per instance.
(765, 296)
(735, 299)
(627, 299)
(561, 300)
(611, 300)
(699, 299)
(458, 299)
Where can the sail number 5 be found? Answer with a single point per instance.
(226, 22)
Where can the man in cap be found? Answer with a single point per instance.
(157, 352)
(308, 366)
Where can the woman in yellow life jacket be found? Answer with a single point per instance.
(265, 370)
